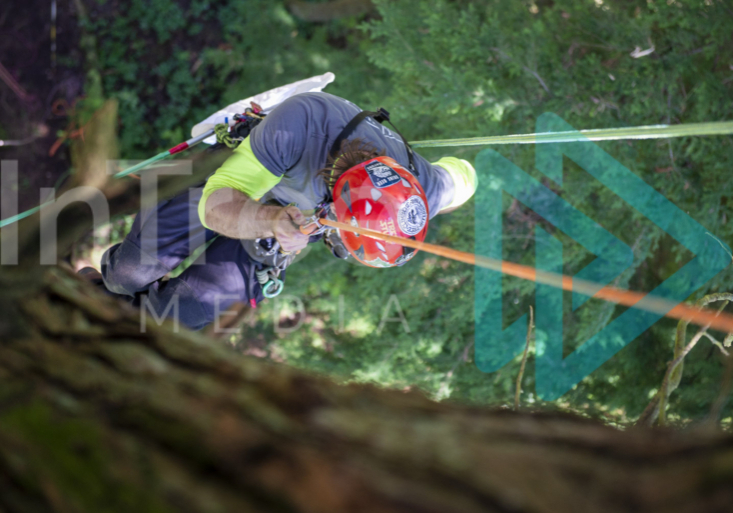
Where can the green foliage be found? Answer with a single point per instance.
(448, 69)
(466, 69)
(483, 68)
(172, 63)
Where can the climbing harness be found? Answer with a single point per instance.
(269, 281)
(272, 262)
(380, 116)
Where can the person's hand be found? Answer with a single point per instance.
(285, 229)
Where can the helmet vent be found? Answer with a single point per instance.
(368, 208)
(346, 195)
(376, 194)
(406, 184)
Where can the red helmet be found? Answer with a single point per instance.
(380, 195)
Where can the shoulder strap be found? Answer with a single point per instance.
(380, 116)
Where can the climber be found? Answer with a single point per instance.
(307, 156)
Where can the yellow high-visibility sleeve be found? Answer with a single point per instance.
(241, 172)
(464, 179)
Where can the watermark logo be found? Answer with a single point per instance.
(496, 346)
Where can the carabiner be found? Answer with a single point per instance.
(312, 226)
(277, 283)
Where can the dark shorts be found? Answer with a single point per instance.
(160, 239)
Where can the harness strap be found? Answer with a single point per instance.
(380, 116)
(347, 131)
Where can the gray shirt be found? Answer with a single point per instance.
(294, 140)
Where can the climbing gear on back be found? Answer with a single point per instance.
(231, 134)
(223, 137)
(380, 195)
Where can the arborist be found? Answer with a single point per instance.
(314, 155)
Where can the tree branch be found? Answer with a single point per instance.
(518, 391)
(655, 410)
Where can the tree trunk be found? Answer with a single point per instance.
(99, 412)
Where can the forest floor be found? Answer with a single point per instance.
(41, 100)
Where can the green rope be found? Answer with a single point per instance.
(145, 163)
(600, 134)
(22, 215)
(224, 137)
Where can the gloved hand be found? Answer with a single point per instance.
(285, 225)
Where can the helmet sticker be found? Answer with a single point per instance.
(381, 174)
(388, 227)
(412, 215)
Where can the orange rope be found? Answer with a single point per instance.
(701, 316)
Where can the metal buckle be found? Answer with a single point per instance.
(309, 222)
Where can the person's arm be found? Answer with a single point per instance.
(229, 204)
(464, 179)
(236, 215)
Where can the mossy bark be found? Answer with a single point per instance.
(97, 414)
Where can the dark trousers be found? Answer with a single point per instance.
(160, 239)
